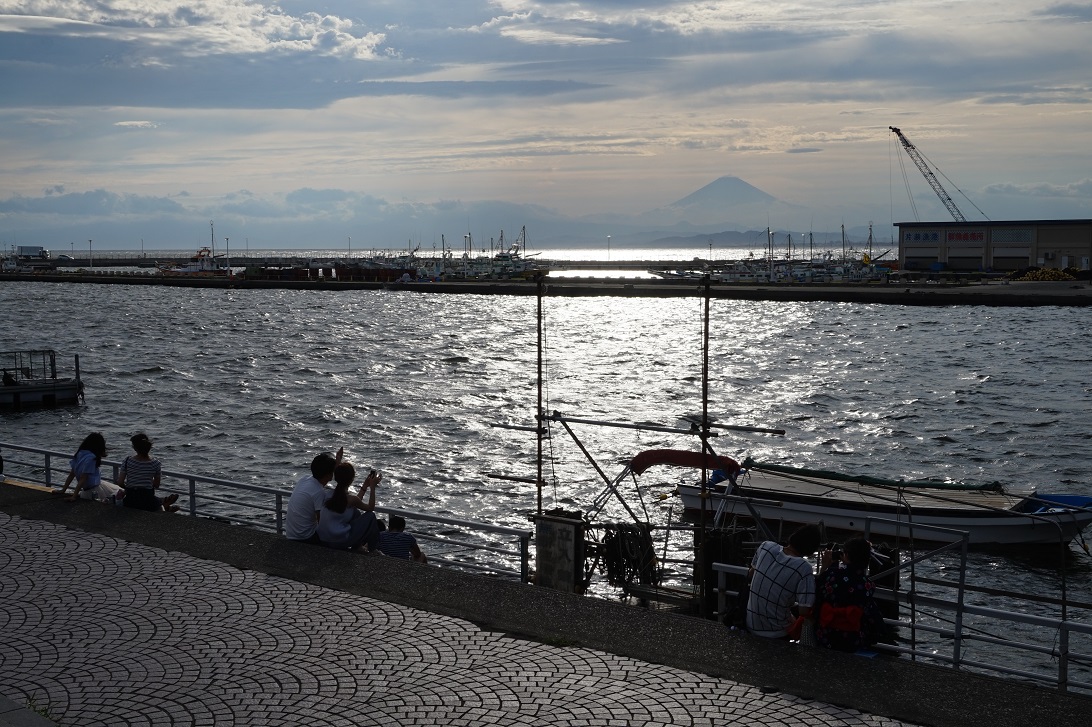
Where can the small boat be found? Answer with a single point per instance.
(30, 380)
(202, 263)
(990, 514)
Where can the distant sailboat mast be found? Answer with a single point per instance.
(769, 243)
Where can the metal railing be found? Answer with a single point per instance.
(947, 620)
(455, 542)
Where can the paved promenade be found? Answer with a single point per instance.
(99, 631)
(112, 616)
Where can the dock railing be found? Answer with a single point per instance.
(453, 542)
(1000, 634)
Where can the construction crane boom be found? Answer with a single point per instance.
(931, 178)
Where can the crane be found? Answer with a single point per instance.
(923, 167)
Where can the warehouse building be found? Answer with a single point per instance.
(995, 246)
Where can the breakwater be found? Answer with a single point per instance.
(120, 260)
(991, 293)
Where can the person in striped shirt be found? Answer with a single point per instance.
(139, 476)
(397, 543)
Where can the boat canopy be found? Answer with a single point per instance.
(868, 479)
(682, 458)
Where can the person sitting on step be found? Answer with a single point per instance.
(139, 475)
(347, 522)
(397, 543)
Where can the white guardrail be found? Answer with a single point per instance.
(483, 547)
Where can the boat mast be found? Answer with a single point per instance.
(705, 446)
(769, 244)
(540, 428)
(521, 241)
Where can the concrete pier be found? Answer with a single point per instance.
(115, 616)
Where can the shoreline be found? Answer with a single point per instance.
(994, 293)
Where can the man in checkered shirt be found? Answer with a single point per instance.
(781, 577)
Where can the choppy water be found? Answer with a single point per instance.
(249, 385)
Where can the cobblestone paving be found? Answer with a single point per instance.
(99, 631)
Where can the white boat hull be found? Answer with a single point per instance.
(988, 518)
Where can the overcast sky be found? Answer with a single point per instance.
(147, 119)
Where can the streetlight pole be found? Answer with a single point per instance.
(90, 262)
(608, 247)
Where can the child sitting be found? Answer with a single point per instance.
(397, 543)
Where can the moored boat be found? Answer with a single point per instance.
(30, 379)
(990, 514)
(204, 262)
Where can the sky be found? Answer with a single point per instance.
(162, 123)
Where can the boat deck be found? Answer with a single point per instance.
(777, 486)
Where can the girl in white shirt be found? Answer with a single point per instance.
(346, 522)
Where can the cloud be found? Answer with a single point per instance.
(1081, 190)
(585, 106)
(95, 203)
(182, 29)
(1066, 12)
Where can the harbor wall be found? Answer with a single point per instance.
(992, 293)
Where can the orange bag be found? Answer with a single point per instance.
(840, 618)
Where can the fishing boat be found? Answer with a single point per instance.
(30, 380)
(204, 262)
(924, 510)
(508, 261)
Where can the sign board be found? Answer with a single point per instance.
(559, 549)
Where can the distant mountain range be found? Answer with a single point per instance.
(727, 212)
